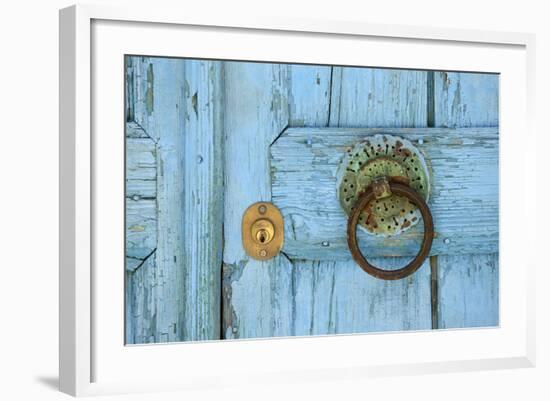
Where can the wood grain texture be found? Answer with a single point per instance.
(141, 168)
(160, 118)
(141, 229)
(141, 302)
(468, 284)
(174, 293)
(371, 97)
(468, 291)
(465, 99)
(141, 235)
(338, 297)
(464, 201)
(141, 193)
(256, 302)
(195, 127)
(309, 95)
(202, 199)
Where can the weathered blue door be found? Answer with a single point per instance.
(206, 139)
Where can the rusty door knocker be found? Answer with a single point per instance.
(383, 186)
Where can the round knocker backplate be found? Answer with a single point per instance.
(388, 156)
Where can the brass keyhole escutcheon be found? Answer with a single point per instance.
(262, 231)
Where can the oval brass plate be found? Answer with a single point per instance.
(262, 231)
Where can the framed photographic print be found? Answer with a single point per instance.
(300, 198)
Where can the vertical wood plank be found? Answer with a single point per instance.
(158, 97)
(468, 284)
(374, 97)
(466, 99)
(202, 198)
(468, 291)
(256, 112)
(175, 292)
(140, 220)
(309, 95)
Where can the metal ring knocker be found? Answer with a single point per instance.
(379, 189)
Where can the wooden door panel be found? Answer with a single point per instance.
(281, 298)
(206, 139)
(174, 109)
(468, 284)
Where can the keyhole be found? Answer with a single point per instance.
(262, 236)
(262, 231)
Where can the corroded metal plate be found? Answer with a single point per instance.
(388, 156)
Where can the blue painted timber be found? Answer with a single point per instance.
(205, 139)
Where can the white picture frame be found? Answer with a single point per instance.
(92, 363)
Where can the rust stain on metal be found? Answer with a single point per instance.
(412, 196)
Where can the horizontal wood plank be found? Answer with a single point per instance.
(464, 198)
(141, 167)
(141, 192)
